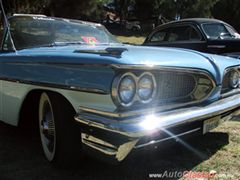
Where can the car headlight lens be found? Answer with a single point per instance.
(234, 79)
(146, 87)
(127, 90)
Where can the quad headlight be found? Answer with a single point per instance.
(127, 89)
(130, 88)
(146, 87)
(234, 79)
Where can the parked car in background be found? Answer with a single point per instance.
(85, 88)
(205, 35)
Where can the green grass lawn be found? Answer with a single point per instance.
(225, 161)
(131, 39)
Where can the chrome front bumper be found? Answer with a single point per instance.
(116, 135)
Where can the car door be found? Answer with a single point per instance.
(181, 36)
(221, 46)
(220, 38)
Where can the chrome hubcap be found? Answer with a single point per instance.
(47, 129)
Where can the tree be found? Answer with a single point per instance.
(144, 9)
(25, 6)
(185, 8)
(73, 8)
(197, 8)
(122, 7)
(60, 8)
(228, 10)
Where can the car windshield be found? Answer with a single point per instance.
(220, 31)
(38, 31)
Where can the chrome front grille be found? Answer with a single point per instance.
(183, 87)
(175, 85)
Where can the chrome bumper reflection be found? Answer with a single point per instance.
(134, 128)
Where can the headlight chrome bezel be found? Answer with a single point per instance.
(116, 85)
(115, 90)
(231, 78)
(131, 77)
(154, 87)
(228, 89)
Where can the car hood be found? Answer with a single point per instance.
(130, 55)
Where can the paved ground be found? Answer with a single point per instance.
(21, 158)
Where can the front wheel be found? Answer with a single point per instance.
(47, 127)
(58, 133)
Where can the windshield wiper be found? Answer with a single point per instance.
(54, 44)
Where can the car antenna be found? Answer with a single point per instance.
(8, 26)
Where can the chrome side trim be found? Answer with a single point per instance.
(165, 139)
(216, 46)
(72, 88)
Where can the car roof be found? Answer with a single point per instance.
(192, 20)
(201, 20)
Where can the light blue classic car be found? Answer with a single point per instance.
(85, 88)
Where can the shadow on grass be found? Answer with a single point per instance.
(21, 158)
